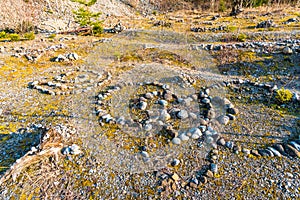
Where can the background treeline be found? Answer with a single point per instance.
(218, 5)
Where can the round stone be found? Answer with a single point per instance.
(176, 141)
(164, 115)
(233, 111)
(202, 122)
(162, 102)
(205, 100)
(223, 119)
(148, 127)
(145, 154)
(183, 114)
(229, 144)
(142, 105)
(149, 95)
(183, 137)
(175, 162)
(214, 167)
(209, 140)
(193, 115)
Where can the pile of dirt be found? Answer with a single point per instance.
(54, 15)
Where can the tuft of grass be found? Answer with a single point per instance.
(14, 37)
(3, 34)
(29, 36)
(52, 36)
(242, 37)
(231, 28)
(284, 95)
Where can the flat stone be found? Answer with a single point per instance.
(211, 114)
(237, 149)
(231, 117)
(149, 95)
(287, 50)
(148, 127)
(209, 140)
(203, 179)
(263, 152)
(192, 115)
(202, 128)
(142, 105)
(205, 100)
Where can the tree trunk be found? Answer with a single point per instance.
(237, 6)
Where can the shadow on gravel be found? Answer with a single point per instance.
(15, 145)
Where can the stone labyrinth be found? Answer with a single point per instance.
(155, 115)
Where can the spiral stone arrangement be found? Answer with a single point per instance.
(69, 81)
(155, 109)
